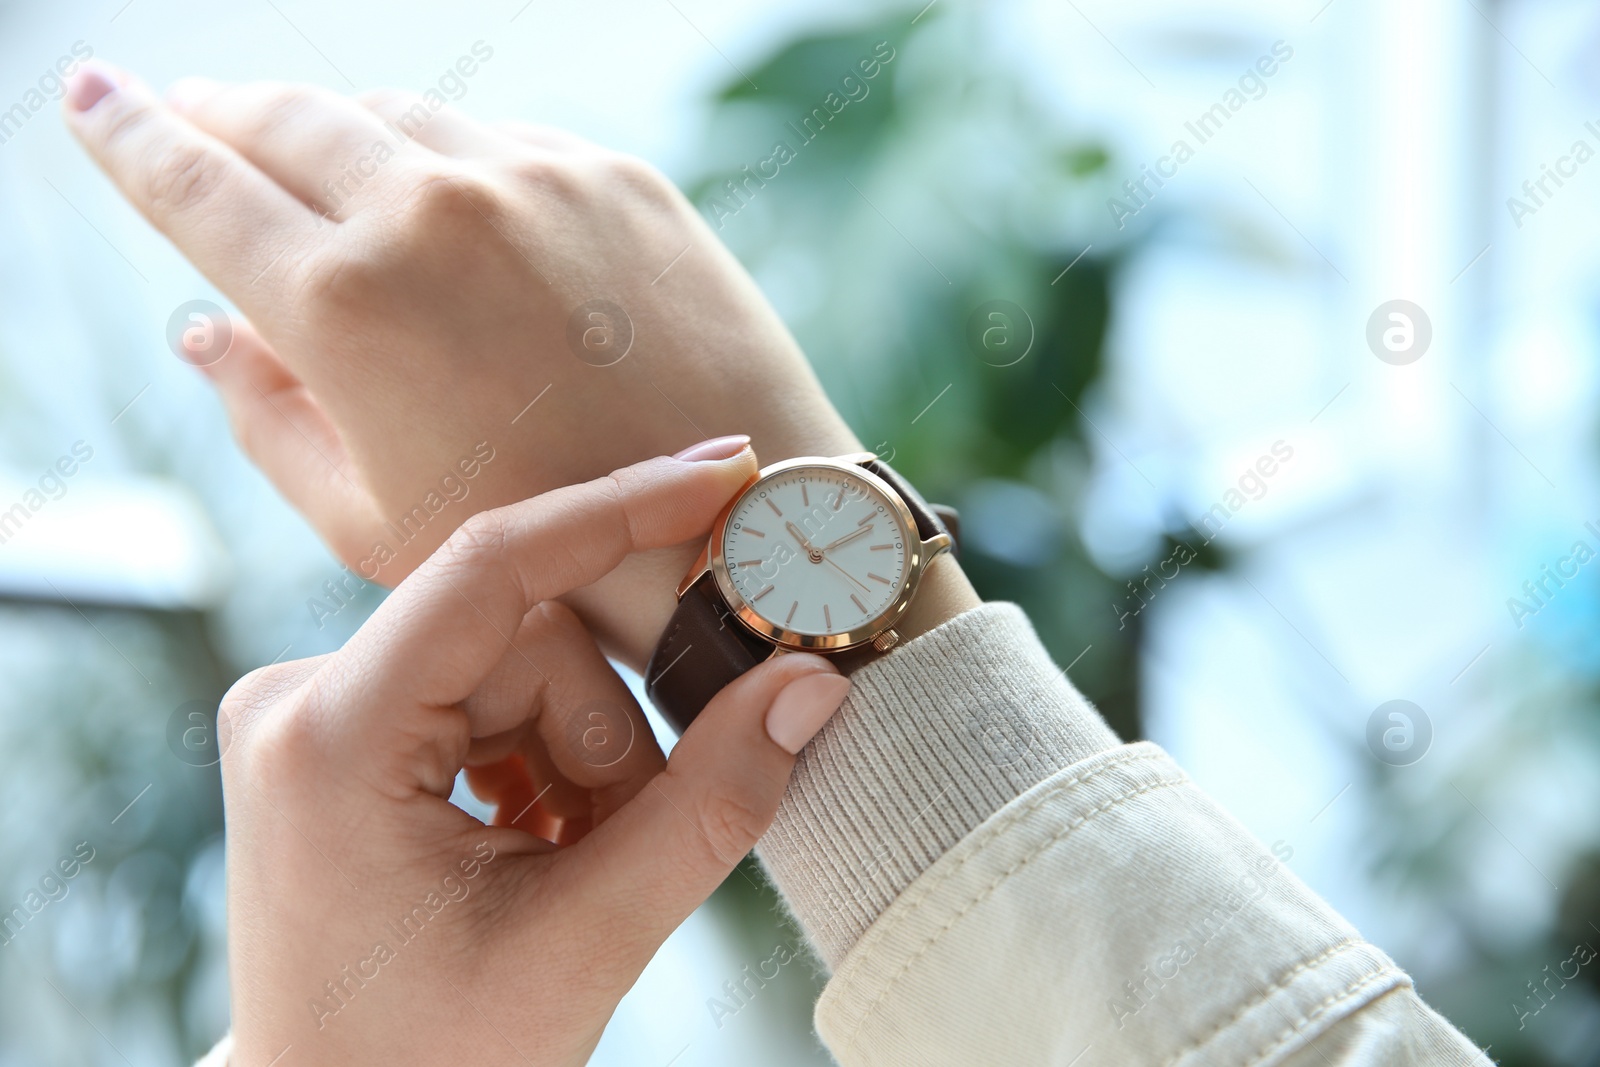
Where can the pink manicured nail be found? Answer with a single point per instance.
(716, 448)
(87, 89)
(803, 707)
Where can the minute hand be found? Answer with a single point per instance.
(846, 573)
(851, 536)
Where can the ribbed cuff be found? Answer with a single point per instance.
(933, 739)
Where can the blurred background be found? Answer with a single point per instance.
(1120, 279)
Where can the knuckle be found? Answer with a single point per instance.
(336, 281)
(282, 109)
(621, 488)
(594, 177)
(551, 176)
(442, 199)
(733, 818)
(181, 176)
(254, 698)
(534, 168)
(633, 180)
(254, 691)
(632, 173)
(286, 738)
(126, 126)
(479, 540)
(239, 705)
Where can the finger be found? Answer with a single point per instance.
(285, 432)
(433, 642)
(233, 222)
(324, 148)
(253, 696)
(507, 785)
(555, 677)
(551, 137)
(658, 858)
(443, 129)
(530, 796)
(567, 742)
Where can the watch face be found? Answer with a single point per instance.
(816, 550)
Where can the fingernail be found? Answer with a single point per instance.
(803, 707)
(90, 85)
(716, 448)
(184, 93)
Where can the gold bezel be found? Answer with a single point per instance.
(920, 554)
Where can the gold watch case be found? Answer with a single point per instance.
(921, 554)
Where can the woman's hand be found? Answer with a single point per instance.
(371, 921)
(415, 280)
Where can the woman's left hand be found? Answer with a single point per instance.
(372, 921)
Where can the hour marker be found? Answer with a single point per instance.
(787, 619)
(870, 516)
(763, 593)
(749, 563)
(773, 506)
(880, 548)
(827, 617)
(805, 497)
(838, 501)
(753, 532)
(879, 577)
(858, 603)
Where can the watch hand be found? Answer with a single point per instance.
(848, 537)
(844, 572)
(798, 536)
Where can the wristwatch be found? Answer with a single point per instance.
(814, 554)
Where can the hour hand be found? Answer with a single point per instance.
(798, 536)
(851, 536)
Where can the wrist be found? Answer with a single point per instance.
(944, 593)
(629, 609)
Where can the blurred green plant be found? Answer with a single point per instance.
(909, 209)
(915, 213)
(896, 220)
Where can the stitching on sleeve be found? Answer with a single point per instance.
(1043, 846)
(1283, 981)
(914, 896)
(1349, 992)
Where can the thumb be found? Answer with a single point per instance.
(652, 863)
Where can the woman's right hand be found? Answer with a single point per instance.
(372, 921)
(409, 299)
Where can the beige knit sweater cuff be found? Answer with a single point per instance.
(933, 739)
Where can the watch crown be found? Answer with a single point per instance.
(886, 640)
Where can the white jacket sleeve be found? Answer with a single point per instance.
(1105, 909)
(219, 1054)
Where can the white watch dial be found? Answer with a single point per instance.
(816, 550)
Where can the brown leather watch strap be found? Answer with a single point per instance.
(931, 519)
(705, 646)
